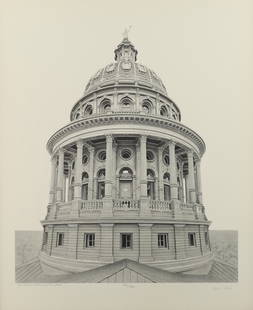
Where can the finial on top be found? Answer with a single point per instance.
(126, 32)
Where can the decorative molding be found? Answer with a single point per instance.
(130, 118)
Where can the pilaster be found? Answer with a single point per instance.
(59, 188)
(72, 240)
(179, 241)
(78, 170)
(191, 180)
(106, 243)
(145, 239)
(173, 171)
(53, 179)
(91, 173)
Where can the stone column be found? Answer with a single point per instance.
(107, 201)
(156, 189)
(145, 240)
(114, 163)
(144, 209)
(173, 171)
(191, 180)
(91, 174)
(106, 242)
(134, 187)
(108, 167)
(95, 187)
(78, 170)
(137, 167)
(199, 182)
(52, 182)
(143, 166)
(59, 186)
(117, 186)
(160, 173)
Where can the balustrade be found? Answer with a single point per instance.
(160, 205)
(91, 205)
(121, 204)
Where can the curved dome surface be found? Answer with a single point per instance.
(126, 70)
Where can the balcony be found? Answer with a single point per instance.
(123, 208)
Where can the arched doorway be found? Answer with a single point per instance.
(101, 184)
(126, 183)
(166, 184)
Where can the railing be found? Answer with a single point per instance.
(91, 206)
(125, 205)
(160, 205)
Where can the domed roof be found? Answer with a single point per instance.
(125, 70)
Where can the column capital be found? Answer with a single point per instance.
(190, 152)
(79, 143)
(109, 138)
(91, 149)
(172, 143)
(143, 138)
(61, 151)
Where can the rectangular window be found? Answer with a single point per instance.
(206, 238)
(192, 239)
(89, 240)
(60, 239)
(163, 241)
(45, 237)
(126, 241)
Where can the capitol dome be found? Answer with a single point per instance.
(125, 178)
(124, 73)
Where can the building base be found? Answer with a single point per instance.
(53, 265)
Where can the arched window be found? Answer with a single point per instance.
(88, 110)
(166, 158)
(126, 103)
(151, 184)
(164, 111)
(105, 106)
(101, 184)
(146, 106)
(85, 180)
(126, 183)
(166, 186)
(150, 155)
(73, 165)
(166, 177)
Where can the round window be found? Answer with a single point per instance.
(126, 154)
(166, 159)
(102, 155)
(85, 159)
(150, 156)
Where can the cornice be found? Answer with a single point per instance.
(130, 118)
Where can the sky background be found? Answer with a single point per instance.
(49, 51)
(202, 50)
